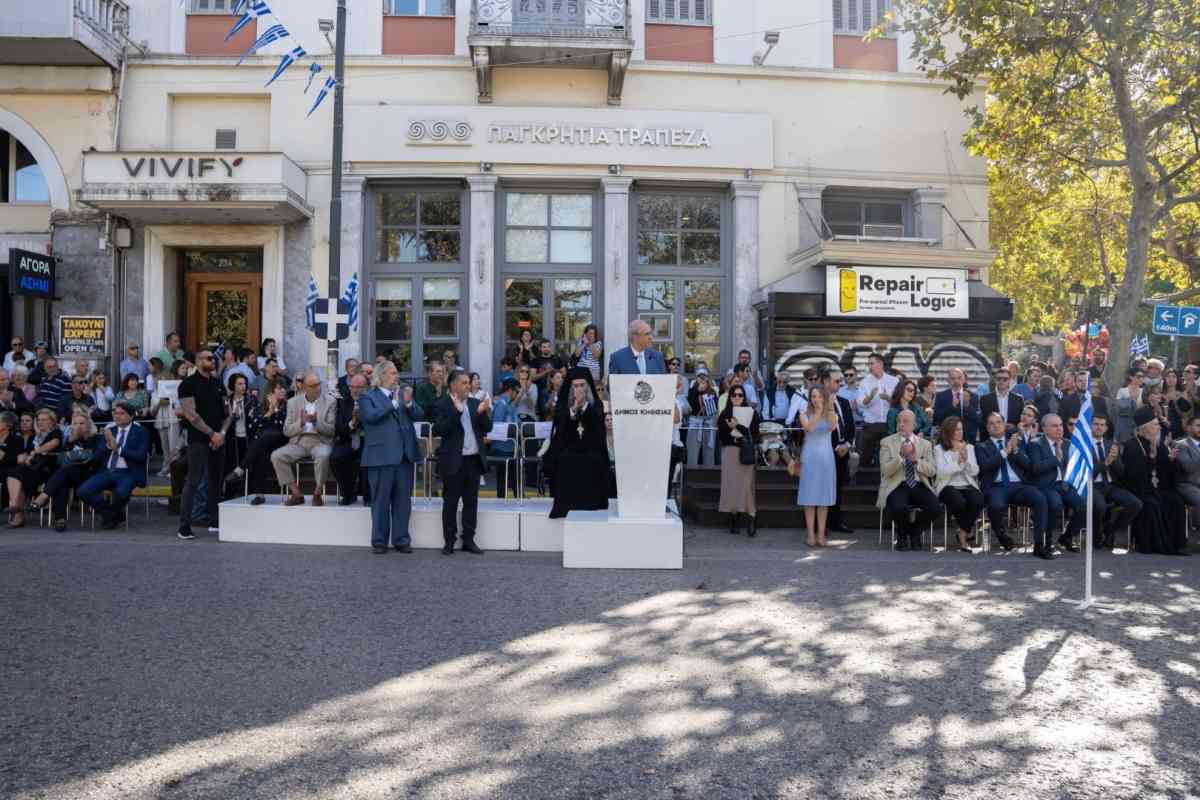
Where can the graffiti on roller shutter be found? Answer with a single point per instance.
(906, 358)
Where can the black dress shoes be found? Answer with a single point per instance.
(901, 542)
(471, 547)
(448, 550)
(1068, 544)
(840, 528)
(346, 501)
(403, 548)
(1044, 552)
(379, 551)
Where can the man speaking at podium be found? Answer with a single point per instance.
(637, 358)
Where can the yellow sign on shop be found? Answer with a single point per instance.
(82, 336)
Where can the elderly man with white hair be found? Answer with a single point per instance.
(638, 358)
(906, 469)
(310, 427)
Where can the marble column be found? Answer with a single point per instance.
(745, 268)
(351, 262)
(616, 263)
(927, 212)
(811, 232)
(483, 353)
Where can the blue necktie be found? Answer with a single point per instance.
(116, 454)
(1003, 465)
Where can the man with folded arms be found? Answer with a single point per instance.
(310, 427)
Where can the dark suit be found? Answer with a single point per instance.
(989, 404)
(1059, 494)
(943, 406)
(1109, 497)
(842, 434)
(135, 450)
(623, 362)
(347, 452)
(460, 473)
(388, 454)
(1000, 494)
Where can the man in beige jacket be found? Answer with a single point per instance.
(906, 468)
(310, 427)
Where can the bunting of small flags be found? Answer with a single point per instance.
(258, 8)
(271, 34)
(329, 84)
(313, 69)
(287, 60)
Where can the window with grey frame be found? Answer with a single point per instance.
(679, 274)
(418, 8)
(417, 275)
(858, 17)
(211, 6)
(680, 12)
(881, 216)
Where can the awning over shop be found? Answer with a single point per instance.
(196, 188)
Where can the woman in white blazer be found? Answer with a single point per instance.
(957, 484)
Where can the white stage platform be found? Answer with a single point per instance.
(602, 540)
(499, 525)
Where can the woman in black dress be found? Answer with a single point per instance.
(12, 444)
(35, 465)
(1149, 474)
(578, 447)
(264, 428)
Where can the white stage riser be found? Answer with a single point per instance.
(603, 540)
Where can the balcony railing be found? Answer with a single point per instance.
(109, 17)
(64, 32)
(575, 19)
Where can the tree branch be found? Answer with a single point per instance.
(1171, 298)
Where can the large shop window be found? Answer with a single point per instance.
(415, 227)
(691, 328)
(556, 308)
(679, 230)
(861, 215)
(425, 322)
(542, 228)
(21, 179)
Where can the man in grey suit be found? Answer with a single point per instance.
(638, 358)
(388, 455)
(1188, 465)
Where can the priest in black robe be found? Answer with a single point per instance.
(578, 448)
(1150, 474)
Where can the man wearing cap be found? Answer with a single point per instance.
(37, 367)
(134, 364)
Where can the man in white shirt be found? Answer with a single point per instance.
(777, 400)
(876, 392)
(18, 355)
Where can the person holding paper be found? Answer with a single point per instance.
(738, 424)
(578, 448)
(504, 413)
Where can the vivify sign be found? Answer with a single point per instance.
(181, 167)
(896, 292)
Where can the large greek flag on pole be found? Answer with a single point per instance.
(1079, 465)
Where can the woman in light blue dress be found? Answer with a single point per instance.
(818, 471)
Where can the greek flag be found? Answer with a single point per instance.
(310, 304)
(313, 69)
(1079, 464)
(271, 34)
(709, 405)
(329, 84)
(287, 61)
(1139, 347)
(258, 8)
(218, 355)
(351, 298)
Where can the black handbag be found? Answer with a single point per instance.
(746, 451)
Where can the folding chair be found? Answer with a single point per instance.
(511, 434)
(529, 442)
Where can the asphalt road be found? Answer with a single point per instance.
(137, 666)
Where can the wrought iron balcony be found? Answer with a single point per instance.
(64, 32)
(575, 33)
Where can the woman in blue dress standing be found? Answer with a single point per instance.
(818, 471)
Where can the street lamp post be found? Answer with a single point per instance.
(1081, 300)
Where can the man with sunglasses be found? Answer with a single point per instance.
(18, 355)
(1004, 401)
(673, 366)
(206, 418)
(134, 364)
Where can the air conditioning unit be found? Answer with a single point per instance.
(884, 231)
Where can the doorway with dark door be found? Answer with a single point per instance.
(222, 297)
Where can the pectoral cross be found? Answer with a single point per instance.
(1154, 478)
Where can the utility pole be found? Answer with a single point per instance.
(335, 199)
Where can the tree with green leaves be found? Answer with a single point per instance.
(1085, 90)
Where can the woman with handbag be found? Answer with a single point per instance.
(739, 450)
(818, 485)
(35, 465)
(76, 463)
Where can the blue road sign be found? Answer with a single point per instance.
(1177, 320)
(1093, 330)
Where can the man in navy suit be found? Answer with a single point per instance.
(638, 358)
(1004, 401)
(463, 423)
(1002, 469)
(1049, 456)
(957, 401)
(122, 460)
(388, 455)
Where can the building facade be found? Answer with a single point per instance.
(517, 165)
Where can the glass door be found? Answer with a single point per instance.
(691, 328)
(416, 317)
(556, 308)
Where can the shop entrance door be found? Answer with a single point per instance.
(224, 307)
(556, 308)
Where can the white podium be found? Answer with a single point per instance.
(639, 533)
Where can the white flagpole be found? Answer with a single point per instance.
(1087, 553)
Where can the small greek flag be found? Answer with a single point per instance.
(1079, 465)
(258, 8)
(1139, 347)
(287, 60)
(313, 69)
(310, 304)
(351, 298)
(218, 355)
(709, 404)
(271, 34)
(329, 84)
